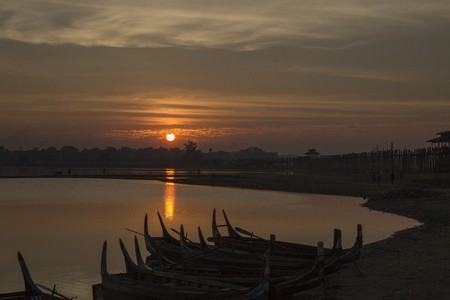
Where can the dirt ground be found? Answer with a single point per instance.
(418, 265)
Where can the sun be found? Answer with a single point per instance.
(170, 137)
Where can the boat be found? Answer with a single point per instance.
(168, 285)
(255, 244)
(236, 243)
(166, 253)
(278, 287)
(33, 291)
(178, 268)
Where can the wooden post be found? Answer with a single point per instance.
(392, 157)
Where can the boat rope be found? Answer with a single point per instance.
(140, 233)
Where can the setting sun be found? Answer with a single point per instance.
(170, 137)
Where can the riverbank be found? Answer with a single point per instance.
(417, 265)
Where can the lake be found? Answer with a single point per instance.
(59, 224)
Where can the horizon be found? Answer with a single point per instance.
(206, 151)
(284, 77)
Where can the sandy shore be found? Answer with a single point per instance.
(422, 268)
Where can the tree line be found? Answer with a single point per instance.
(125, 156)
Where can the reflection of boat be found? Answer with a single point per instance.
(33, 291)
(169, 285)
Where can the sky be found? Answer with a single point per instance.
(286, 76)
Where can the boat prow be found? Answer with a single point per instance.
(139, 259)
(203, 245)
(130, 265)
(231, 232)
(104, 266)
(167, 236)
(28, 281)
(215, 229)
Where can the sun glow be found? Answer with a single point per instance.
(170, 137)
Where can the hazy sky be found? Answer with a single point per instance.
(339, 76)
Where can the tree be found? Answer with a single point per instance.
(69, 153)
(255, 153)
(191, 152)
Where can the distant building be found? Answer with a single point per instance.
(312, 153)
(441, 142)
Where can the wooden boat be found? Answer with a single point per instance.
(197, 276)
(250, 278)
(168, 247)
(171, 245)
(166, 285)
(236, 275)
(280, 266)
(33, 291)
(236, 243)
(167, 253)
(280, 286)
(255, 244)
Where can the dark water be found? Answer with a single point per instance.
(59, 224)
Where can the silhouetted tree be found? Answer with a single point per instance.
(69, 153)
(191, 151)
(51, 155)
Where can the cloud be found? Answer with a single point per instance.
(291, 71)
(369, 74)
(233, 24)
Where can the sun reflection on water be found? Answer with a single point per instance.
(169, 200)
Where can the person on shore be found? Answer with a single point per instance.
(379, 178)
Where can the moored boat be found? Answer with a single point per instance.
(33, 291)
(278, 287)
(256, 244)
(166, 254)
(167, 285)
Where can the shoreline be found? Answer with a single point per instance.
(420, 272)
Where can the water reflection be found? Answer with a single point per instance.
(170, 174)
(169, 200)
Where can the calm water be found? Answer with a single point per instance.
(59, 224)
